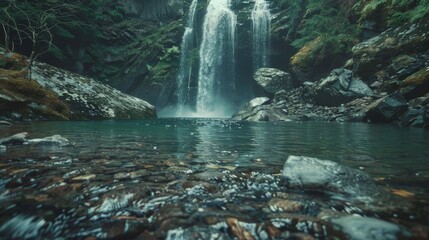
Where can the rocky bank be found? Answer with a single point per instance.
(386, 81)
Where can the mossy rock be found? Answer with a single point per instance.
(24, 99)
(317, 58)
(374, 54)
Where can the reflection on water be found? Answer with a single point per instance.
(381, 150)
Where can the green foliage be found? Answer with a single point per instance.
(329, 21)
(397, 12)
(372, 7)
(170, 54)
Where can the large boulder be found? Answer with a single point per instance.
(88, 98)
(21, 139)
(339, 87)
(374, 54)
(322, 175)
(273, 80)
(386, 109)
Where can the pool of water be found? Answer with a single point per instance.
(141, 172)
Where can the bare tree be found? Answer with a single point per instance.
(30, 22)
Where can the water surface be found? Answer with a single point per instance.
(138, 169)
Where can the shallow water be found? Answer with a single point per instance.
(179, 177)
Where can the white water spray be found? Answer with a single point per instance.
(217, 53)
(185, 72)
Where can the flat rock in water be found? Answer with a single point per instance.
(17, 139)
(365, 228)
(51, 140)
(322, 175)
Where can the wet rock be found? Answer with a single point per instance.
(386, 109)
(365, 228)
(217, 231)
(273, 80)
(207, 186)
(338, 88)
(286, 205)
(52, 140)
(323, 175)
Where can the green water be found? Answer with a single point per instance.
(176, 178)
(380, 150)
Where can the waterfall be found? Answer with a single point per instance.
(217, 53)
(185, 71)
(261, 19)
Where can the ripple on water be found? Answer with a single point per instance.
(23, 227)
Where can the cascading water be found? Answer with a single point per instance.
(185, 72)
(261, 18)
(217, 53)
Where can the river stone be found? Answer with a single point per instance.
(323, 175)
(52, 140)
(386, 109)
(365, 228)
(84, 178)
(273, 80)
(17, 139)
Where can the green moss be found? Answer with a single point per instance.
(16, 85)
